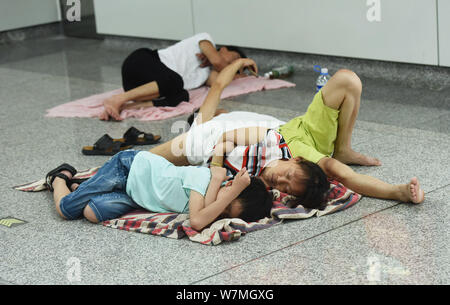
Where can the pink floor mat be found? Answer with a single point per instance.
(92, 106)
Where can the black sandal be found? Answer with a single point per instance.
(51, 175)
(106, 146)
(78, 181)
(134, 136)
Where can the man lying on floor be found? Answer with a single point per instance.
(162, 77)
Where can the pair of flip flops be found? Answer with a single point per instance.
(108, 146)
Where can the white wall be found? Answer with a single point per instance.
(407, 32)
(165, 19)
(444, 32)
(16, 14)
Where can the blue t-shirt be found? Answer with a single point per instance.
(159, 186)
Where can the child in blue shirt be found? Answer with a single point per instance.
(139, 179)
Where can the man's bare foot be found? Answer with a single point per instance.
(416, 194)
(138, 105)
(112, 108)
(353, 157)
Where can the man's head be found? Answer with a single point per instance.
(301, 178)
(231, 53)
(252, 204)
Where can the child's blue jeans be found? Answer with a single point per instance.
(105, 192)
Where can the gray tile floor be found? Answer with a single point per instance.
(373, 242)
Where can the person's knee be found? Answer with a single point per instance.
(89, 214)
(349, 80)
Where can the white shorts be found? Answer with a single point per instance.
(201, 139)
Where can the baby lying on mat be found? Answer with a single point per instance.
(139, 179)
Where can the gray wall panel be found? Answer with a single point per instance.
(406, 33)
(444, 32)
(165, 19)
(16, 14)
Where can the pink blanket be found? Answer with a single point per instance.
(92, 106)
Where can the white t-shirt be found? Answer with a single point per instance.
(181, 58)
(201, 139)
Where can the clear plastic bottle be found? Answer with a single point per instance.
(280, 72)
(322, 79)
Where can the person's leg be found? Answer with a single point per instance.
(144, 78)
(343, 92)
(60, 190)
(89, 214)
(209, 107)
(143, 93)
(138, 104)
(110, 177)
(370, 186)
(173, 150)
(223, 79)
(109, 206)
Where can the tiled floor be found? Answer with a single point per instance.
(373, 242)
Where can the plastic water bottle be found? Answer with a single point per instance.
(322, 79)
(280, 72)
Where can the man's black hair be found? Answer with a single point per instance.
(316, 187)
(237, 50)
(256, 201)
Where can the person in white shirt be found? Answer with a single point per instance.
(162, 77)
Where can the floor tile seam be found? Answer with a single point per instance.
(437, 189)
(310, 238)
(293, 244)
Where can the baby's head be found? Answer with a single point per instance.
(252, 204)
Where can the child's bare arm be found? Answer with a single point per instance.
(232, 138)
(245, 136)
(220, 150)
(221, 81)
(202, 215)
(218, 175)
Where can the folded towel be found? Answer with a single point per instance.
(176, 226)
(92, 106)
